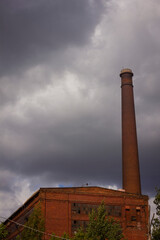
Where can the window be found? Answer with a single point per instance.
(85, 209)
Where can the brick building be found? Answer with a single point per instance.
(66, 209)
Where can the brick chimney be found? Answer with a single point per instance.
(130, 160)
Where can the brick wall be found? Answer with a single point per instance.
(65, 209)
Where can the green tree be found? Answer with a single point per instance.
(100, 227)
(53, 237)
(64, 236)
(156, 219)
(3, 231)
(35, 221)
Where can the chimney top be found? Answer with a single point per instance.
(126, 70)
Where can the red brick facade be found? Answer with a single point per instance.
(65, 209)
(130, 159)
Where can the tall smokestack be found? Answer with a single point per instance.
(131, 172)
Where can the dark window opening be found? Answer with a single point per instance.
(85, 209)
(133, 218)
(77, 224)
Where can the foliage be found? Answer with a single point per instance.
(156, 220)
(35, 221)
(3, 231)
(53, 237)
(100, 227)
(65, 236)
(80, 234)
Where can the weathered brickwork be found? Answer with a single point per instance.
(130, 159)
(66, 209)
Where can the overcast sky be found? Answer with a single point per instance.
(60, 95)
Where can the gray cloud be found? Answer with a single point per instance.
(60, 120)
(31, 30)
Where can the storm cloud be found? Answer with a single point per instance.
(60, 95)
